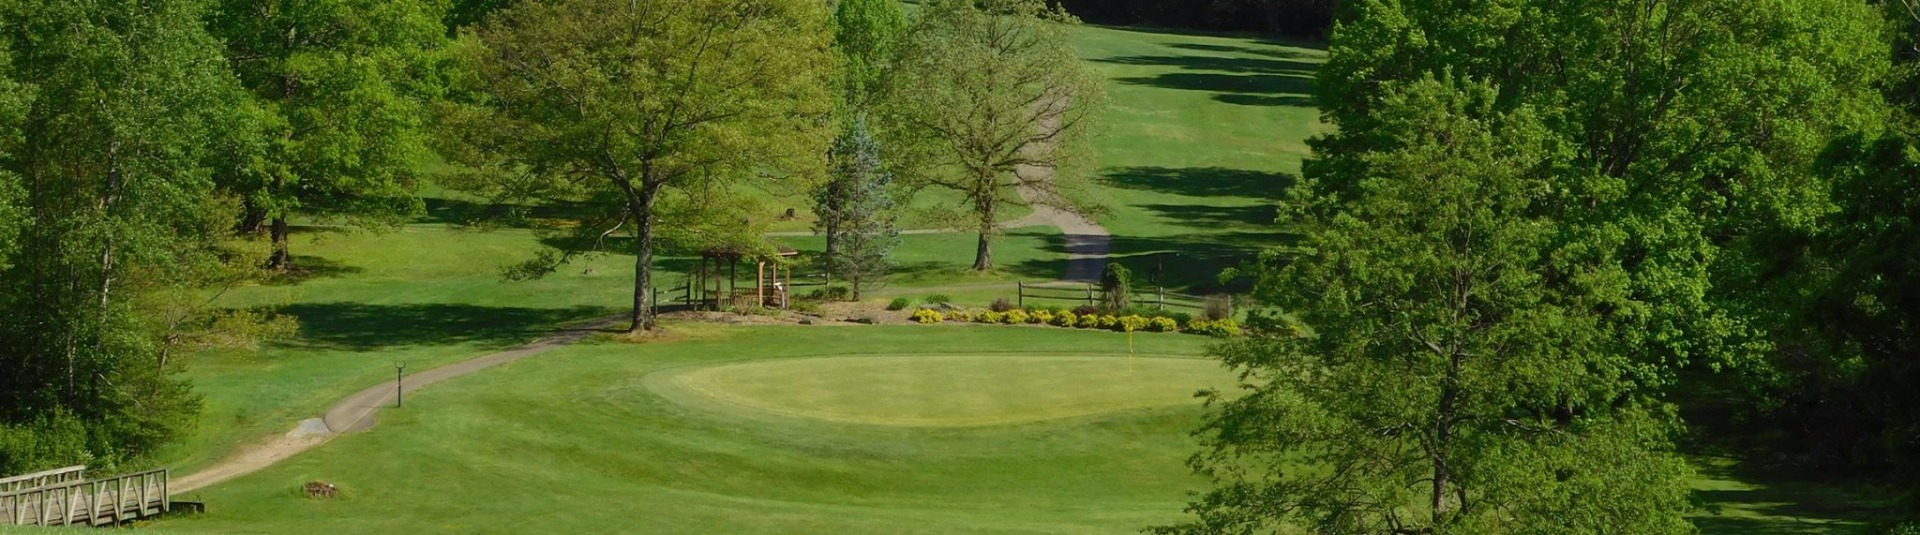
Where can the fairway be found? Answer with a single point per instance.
(933, 391)
(601, 438)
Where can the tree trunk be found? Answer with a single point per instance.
(641, 206)
(983, 257)
(253, 220)
(281, 258)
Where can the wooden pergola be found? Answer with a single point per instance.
(769, 288)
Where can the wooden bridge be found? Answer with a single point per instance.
(64, 497)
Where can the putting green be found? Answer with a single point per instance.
(944, 391)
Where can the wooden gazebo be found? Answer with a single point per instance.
(769, 288)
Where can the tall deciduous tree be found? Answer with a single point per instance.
(622, 105)
(867, 33)
(340, 84)
(856, 210)
(1451, 382)
(111, 115)
(990, 101)
(1688, 126)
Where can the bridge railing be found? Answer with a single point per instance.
(55, 476)
(98, 502)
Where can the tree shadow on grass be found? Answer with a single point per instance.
(1202, 181)
(1264, 85)
(365, 327)
(1202, 216)
(303, 268)
(1773, 505)
(1188, 263)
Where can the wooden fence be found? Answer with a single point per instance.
(1091, 295)
(87, 503)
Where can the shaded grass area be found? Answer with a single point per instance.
(1204, 134)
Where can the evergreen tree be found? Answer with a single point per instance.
(857, 211)
(340, 85)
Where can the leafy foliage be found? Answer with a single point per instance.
(340, 86)
(1450, 385)
(990, 101)
(114, 118)
(644, 115)
(1116, 286)
(867, 33)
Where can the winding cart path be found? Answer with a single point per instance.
(355, 412)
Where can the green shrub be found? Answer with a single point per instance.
(1065, 319)
(1223, 328)
(1088, 321)
(938, 299)
(1197, 325)
(1109, 322)
(990, 317)
(1180, 318)
(1001, 305)
(926, 315)
(1162, 325)
(804, 307)
(961, 316)
(899, 303)
(1040, 317)
(1016, 316)
(1133, 323)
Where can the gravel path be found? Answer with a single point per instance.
(355, 412)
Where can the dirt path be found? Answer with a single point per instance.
(355, 412)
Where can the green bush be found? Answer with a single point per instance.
(961, 316)
(1040, 317)
(990, 317)
(938, 299)
(1088, 321)
(1223, 328)
(1181, 318)
(1162, 325)
(1066, 319)
(926, 315)
(830, 293)
(1016, 317)
(899, 303)
(804, 307)
(1133, 323)
(1109, 322)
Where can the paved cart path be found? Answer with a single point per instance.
(355, 412)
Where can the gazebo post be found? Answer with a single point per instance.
(760, 283)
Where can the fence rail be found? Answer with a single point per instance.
(41, 479)
(88, 503)
(1090, 294)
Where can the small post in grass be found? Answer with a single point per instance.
(399, 388)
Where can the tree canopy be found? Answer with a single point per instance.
(639, 111)
(993, 103)
(340, 85)
(113, 116)
(1439, 380)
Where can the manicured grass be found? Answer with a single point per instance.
(1203, 133)
(582, 441)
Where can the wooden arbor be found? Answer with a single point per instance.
(715, 281)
